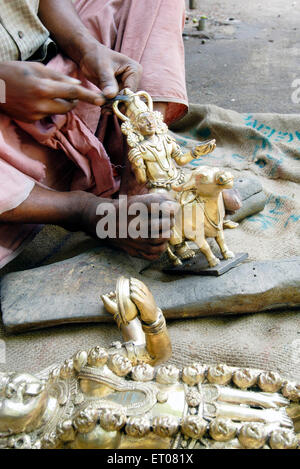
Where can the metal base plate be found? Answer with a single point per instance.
(199, 265)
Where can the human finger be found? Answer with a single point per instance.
(68, 91)
(131, 75)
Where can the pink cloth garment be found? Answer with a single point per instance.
(66, 152)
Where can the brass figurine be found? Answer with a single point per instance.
(116, 398)
(157, 161)
(202, 211)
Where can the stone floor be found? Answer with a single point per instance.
(251, 59)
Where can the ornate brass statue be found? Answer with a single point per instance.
(115, 398)
(157, 161)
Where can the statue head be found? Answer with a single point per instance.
(146, 123)
(139, 119)
(206, 180)
(134, 105)
(23, 399)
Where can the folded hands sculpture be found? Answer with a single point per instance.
(119, 398)
(157, 161)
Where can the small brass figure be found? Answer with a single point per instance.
(116, 398)
(202, 211)
(157, 161)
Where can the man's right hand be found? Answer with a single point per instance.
(159, 224)
(33, 91)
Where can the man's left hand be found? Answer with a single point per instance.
(109, 70)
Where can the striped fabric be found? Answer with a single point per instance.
(21, 31)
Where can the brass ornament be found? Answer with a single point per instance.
(270, 381)
(219, 374)
(194, 427)
(97, 356)
(245, 378)
(137, 427)
(222, 430)
(253, 436)
(101, 398)
(194, 374)
(158, 162)
(167, 374)
(143, 372)
(283, 439)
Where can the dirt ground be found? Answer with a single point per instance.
(251, 56)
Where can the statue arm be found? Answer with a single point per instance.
(144, 329)
(200, 150)
(181, 158)
(158, 345)
(138, 165)
(146, 342)
(248, 414)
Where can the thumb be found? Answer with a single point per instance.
(108, 83)
(109, 305)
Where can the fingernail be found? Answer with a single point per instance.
(74, 80)
(99, 101)
(110, 92)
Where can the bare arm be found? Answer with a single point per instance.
(99, 64)
(62, 20)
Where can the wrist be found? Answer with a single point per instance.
(150, 318)
(194, 154)
(155, 327)
(76, 207)
(150, 315)
(80, 44)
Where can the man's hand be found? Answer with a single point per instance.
(158, 225)
(33, 91)
(109, 70)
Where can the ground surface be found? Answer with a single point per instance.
(249, 63)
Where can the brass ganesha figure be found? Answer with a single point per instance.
(157, 161)
(121, 397)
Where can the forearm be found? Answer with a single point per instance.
(65, 26)
(158, 344)
(140, 175)
(146, 342)
(184, 159)
(44, 206)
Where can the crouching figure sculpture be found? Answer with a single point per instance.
(116, 398)
(157, 161)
